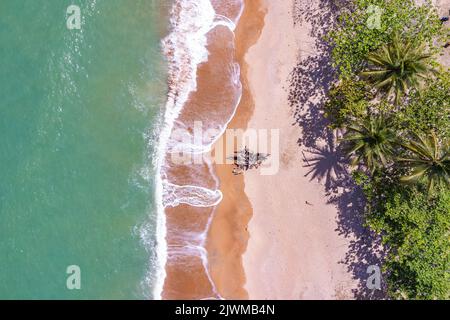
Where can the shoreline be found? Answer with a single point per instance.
(202, 60)
(277, 236)
(296, 234)
(227, 235)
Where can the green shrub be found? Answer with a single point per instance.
(416, 229)
(347, 99)
(428, 109)
(353, 37)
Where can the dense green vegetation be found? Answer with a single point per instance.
(372, 140)
(357, 33)
(398, 67)
(415, 226)
(393, 101)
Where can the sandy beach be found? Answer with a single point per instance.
(228, 235)
(295, 250)
(295, 234)
(284, 224)
(214, 154)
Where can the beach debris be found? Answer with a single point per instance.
(245, 160)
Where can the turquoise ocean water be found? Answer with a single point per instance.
(79, 114)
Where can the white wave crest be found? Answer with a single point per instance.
(195, 196)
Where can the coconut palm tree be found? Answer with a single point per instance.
(371, 141)
(429, 160)
(398, 67)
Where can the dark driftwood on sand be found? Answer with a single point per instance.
(245, 160)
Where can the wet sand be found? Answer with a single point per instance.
(192, 186)
(272, 236)
(228, 235)
(280, 236)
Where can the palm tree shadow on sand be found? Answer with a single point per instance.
(325, 163)
(309, 83)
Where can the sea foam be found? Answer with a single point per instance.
(185, 49)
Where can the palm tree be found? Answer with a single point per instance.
(398, 67)
(429, 159)
(370, 140)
